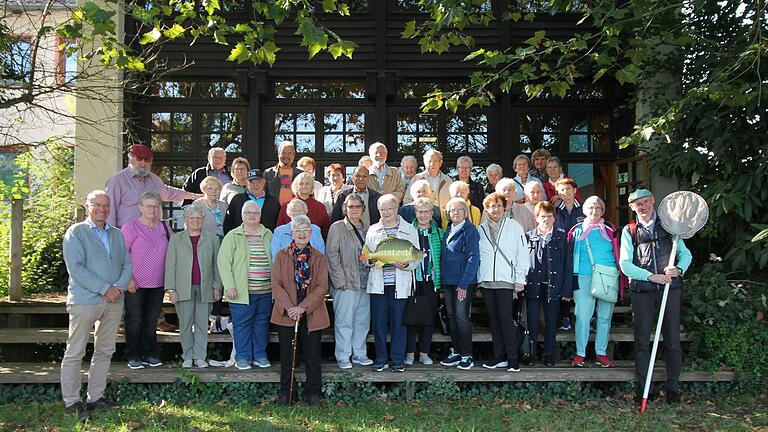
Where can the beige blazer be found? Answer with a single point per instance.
(343, 260)
(393, 183)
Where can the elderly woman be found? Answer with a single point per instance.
(549, 278)
(501, 276)
(493, 174)
(215, 209)
(146, 238)
(349, 276)
(523, 166)
(518, 212)
(283, 237)
(192, 282)
(408, 167)
(459, 189)
(427, 279)
(459, 263)
(389, 286)
(593, 241)
(302, 188)
(419, 189)
(307, 164)
(299, 283)
(239, 183)
(245, 265)
(328, 194)
(534, 194)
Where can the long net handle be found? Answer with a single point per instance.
(662, 309)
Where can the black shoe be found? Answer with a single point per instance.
(673, 397)
(78, 409)
(529, 362)
(100, 404)
(549, 361)
(314, 400)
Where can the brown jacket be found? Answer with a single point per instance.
(284, 290)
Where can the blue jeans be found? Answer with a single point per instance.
(250, 323)
(388, 311)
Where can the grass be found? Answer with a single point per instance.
(732, 414)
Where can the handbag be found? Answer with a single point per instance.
(442, 319)
(605, 280)
(527, 344)
(417, 310)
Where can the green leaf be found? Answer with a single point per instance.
(239, 53)
(473, 54)
(211, 6)
(410, 30)
(340, 48)
(243, 28)
(267, 53)
(762, 235)
(174, 31)
(536, 39)
(452, 104)
(329, 5)
(150, 36)
(313, 37)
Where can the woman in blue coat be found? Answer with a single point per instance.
(459, 262)
(549, 278)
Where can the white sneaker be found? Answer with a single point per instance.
(344, 364)
(262, 363)
(362, 361)
(187, 364)
(425, 359)
(408, 361)
(201, 364)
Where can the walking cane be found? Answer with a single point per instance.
(682, 214)
(293, 360)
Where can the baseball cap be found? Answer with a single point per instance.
(255, 174)
(140, 151)
(638, 193)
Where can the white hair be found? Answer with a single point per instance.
(529, 185)
(419, 185)
(214, 150)
(494, 168)
(248, 205)
(95, 193)
(464, 159)
(504, 182)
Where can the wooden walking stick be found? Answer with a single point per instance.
(293, 360)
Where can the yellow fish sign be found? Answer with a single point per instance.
(392, 250)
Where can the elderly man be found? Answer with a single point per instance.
(283, 237)
(216, 167)
(254, 192)
(126, 187)
(99, 272)
(280, 176)
(384, 178)
(439, 182)
(360, 182)
(645, 251)
(464, 173)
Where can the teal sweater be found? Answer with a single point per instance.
(435, 245)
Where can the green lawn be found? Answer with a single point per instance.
(734, 414)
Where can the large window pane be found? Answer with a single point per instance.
(590, 134)
(298, 128)
(467, 133)
(194, 89)
(539, 130)
(340, 132)
(319, 90)
(416, 133)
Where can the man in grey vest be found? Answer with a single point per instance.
(645, 251)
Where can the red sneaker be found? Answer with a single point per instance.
(577, 361)
(604, 361)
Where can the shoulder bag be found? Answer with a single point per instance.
(605, 279)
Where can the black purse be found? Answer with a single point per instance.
(417, 311)
(442, 319)
(527, 344)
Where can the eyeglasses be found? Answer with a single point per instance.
(301, 230)
(251, 213)
(387, 209)
(456, 210)
(354, 206)
(150, 207)
(424, 212)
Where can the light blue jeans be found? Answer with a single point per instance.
(585, 308)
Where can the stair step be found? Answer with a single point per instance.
(49, 373)
(59, 335)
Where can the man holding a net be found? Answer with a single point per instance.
(646, 247)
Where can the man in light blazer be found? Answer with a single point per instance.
(99, 272)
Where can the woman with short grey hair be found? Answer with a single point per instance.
(493, 174)
(193, 286)
(349, 276)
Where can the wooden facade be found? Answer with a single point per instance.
(333, 109)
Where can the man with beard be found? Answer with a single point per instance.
(126, 187)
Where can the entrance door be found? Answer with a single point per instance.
(628, 174)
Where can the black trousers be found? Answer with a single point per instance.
(141, 311)
(309, 348)
(458, 318)
(551, 319)
(645, 312)
(427, 290)
(501, 306)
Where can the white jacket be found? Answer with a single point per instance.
(512, 241)
(403, 278)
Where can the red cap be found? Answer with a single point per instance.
(140, 151)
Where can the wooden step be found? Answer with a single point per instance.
(59, 335)
(49, 373)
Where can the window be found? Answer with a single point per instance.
(15, 61)
(539, 130)
(416, 133)
(194, 89)
(318, 90)
(222, 129)
(589, 134)
(171, 132)
(465, 133)
(67, 68)
(340, 132)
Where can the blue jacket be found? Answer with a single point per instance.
(550, 264)
(461, 256)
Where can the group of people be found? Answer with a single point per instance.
(274, 243)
